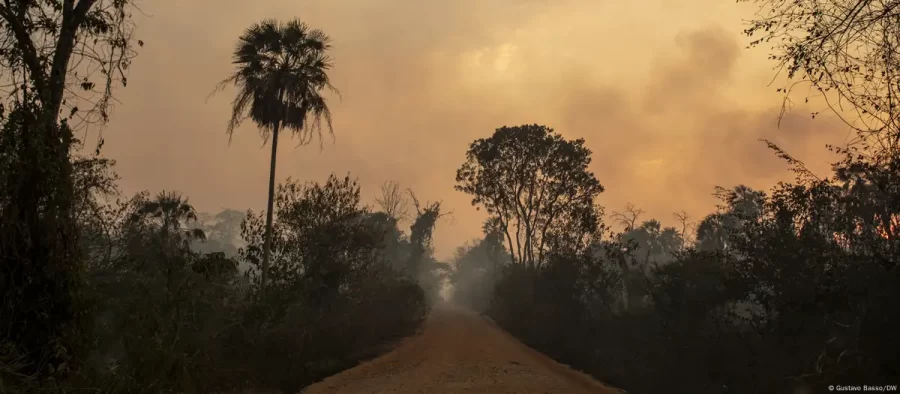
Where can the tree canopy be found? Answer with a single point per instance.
(537, 185)
(847, 51)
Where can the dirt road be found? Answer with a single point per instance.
(460, 352)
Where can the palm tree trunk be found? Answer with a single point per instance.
(268, 244)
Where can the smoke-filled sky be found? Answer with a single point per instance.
(663, 91)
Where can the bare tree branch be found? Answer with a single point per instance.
(847, 52)
(688, 228)
(392, 201)
(629, 217)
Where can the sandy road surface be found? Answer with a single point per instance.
(460, 352)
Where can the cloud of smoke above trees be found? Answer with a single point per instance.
(671, 107)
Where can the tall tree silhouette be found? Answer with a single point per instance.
(537, 186)
(281, 72)
(63, 55)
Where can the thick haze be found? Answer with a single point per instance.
(663, 91)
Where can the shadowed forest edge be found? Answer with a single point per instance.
(791, 288)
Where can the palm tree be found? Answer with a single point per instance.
(657, 243)
(670, 240)
(281, 74)
(167, 217)
(169, 213)
(745, 202)
(712, 232)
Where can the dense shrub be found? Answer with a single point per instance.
(168, 318)
(797, 289)
(804, 294)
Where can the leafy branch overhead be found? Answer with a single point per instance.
(847, 50)
(68, 55)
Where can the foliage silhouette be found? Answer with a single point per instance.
(847, 52)
(537, 187)
(41, 284)
(281, 73)
(791, 290)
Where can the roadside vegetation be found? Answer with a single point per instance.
(791, 288)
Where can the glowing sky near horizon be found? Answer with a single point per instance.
(663, 91)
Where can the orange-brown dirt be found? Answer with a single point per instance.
(458, 351)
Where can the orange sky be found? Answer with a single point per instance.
(662, 90)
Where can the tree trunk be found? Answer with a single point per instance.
(268, 244)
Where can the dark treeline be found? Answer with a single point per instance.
(796, 288)
(101, 292)
(791, 289)
(786, 290)
(173, 306)
(779, 290)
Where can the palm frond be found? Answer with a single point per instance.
(281, 76)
